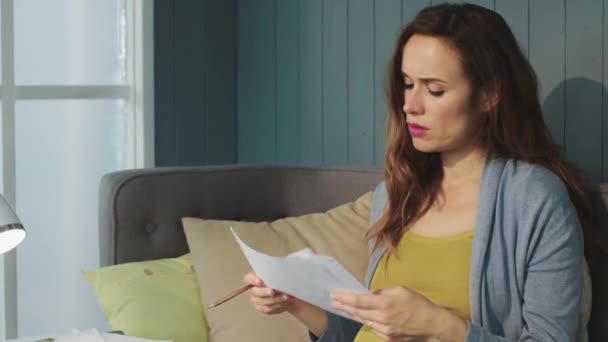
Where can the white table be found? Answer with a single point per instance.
(35, 337)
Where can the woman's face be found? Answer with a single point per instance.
(438, 108)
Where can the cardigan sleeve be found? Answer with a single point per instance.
(339, 329)
(553, 250)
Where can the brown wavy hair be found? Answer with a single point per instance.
(515, 129)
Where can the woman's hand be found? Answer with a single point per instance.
(401, 314)
(270, 301)
(267, 300)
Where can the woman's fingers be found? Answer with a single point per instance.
(263, 292)
(259, 289)
(265, 299)
(271, 300)
(252, 279)
(272, 309)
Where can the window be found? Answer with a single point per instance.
(76, 93)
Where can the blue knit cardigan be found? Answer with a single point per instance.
(526, 275)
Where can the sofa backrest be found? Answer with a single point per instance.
(141, 210)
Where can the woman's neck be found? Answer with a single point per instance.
(462, 166)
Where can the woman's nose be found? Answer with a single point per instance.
(412, 102)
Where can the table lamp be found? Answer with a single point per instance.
(11, 229)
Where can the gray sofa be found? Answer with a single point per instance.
(141, 210)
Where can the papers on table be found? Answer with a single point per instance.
(92, 335)
(303, 274)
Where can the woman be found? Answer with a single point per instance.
(476, 233)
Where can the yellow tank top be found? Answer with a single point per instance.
(436, 267)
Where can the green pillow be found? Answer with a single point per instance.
(156, 299)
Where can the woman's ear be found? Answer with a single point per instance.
(490, 97)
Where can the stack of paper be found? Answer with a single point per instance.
(303, 274)
(93, 335)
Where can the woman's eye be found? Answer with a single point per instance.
(408, 86)
(436, 93)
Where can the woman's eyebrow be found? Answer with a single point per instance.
(426, 79)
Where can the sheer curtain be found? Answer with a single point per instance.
(74, 113)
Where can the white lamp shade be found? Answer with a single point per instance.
(11, 229)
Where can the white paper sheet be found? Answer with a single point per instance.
(93, 335)
(303, 274)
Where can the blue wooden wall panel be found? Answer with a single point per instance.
(288, 86)
(409, 9)
(388, 24)
(515, 13)
(189, 100)
(335, 81)
(583, 111)
(547, 56)
(334, 110)
(220, 82)
(485, 3)
(195, 90)
(361, 80)
(256, 82)
(165, 125)
(311, 81)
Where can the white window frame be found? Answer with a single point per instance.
(138, 94)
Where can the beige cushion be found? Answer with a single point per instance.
(220, 265)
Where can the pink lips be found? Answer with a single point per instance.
(416, 130)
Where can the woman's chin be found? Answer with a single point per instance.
(423, 146)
